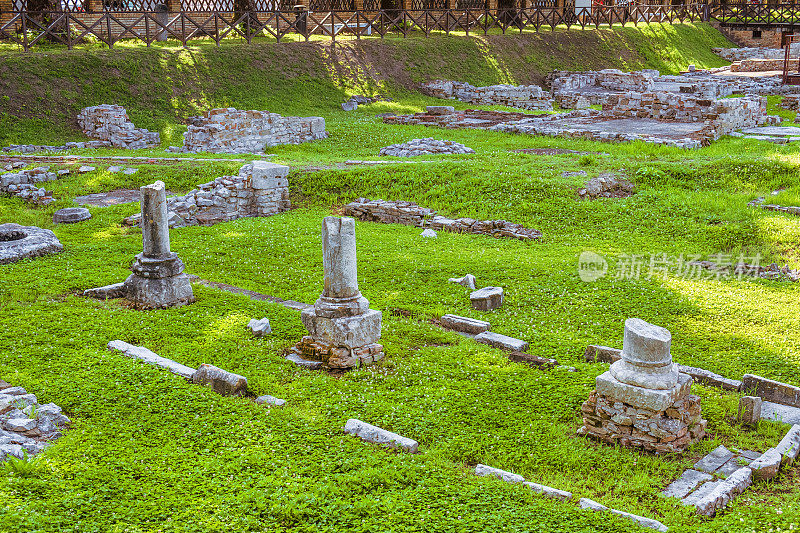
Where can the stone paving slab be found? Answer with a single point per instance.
(714, 460)
(115, 197)
(689, 480)
(704, 490)
(780, 413)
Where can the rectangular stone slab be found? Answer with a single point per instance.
(773, 391)
(689, 480)
(704, 490)
(139, 352)
(724, 492)
(371, 433)
(714, 460)
(707, 377)
(548, 492)
(508, 477)
(789, 445)
(652, 399)
(464, 324)
(780, 413)
(504, 342)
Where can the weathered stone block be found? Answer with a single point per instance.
(143, 354)
(464, 324)
(773, 391)
(508, 477)
(767, 466)
(374, 434)
(222, 381)
(349, 331)
(487, 298)
(651, 399)
(504, 342)
(789, 446)
(749, 411)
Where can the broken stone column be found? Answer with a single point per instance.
(157, 280)
(643, 401)
(343, 329)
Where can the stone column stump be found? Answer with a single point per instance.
(642, 401)
(157, 280)
(343, 330)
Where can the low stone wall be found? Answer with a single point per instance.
(792, 103)
(759, 65)
(23, 184)
(609, 79)
(520, 96)
(741, 54)
(234, 131)
(30, 148)
(261, 189)
(111, 123)
(411, 214)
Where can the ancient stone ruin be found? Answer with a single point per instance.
(410, 214)
(671, 119)
(261, 189)
(643, 401)
(606, 186)
(530, 97)
(25, 242)
(23, 184)
(111, 123)
(233, 131)
(426, 146)
(157, 280)
(343, 330)
(26, 426)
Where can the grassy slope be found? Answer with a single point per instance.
(149, 452)
(42, 92)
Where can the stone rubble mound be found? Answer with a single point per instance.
(111, 123)
(530, 97)
(606, 186)
(230, 197)
(411, 214)
(27, 427)
(23, 184)
(426, 146)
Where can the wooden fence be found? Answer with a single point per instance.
(148, 21)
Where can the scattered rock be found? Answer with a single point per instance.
(601, 354)
(440, 110)
(71, 215)
(129, 171)
(222, 381)
(429, 233)
(83, 169)
(270, 400)
(535, 360)
(371, 433)
(350, 105)
(467, 281)
(487, 298)
(260, 327)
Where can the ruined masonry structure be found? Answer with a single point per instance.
(23, 184)
(233, 131)
(642, 401)
(261, 189)
(520, 96)
(111, 123)
(343, 330)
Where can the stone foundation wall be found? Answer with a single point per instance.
(669, 431)
(608, 79)
(520, 96)
(759, 64)
(261, 189)
(791, 103)
(745, 38)
(313, 349)
(762, 52)
(234, 131)
(722, 116)
(111, 123)
(411, 214)
(23, 184)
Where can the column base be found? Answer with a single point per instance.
(672, 430)
(340, 357)
(158, 293)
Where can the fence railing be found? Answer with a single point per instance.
(109, 26)
(767, 14)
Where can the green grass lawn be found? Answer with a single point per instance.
(150, 452)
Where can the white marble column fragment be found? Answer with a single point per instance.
(155, 223)
(340, 295)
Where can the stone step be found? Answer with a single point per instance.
(299, 361)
